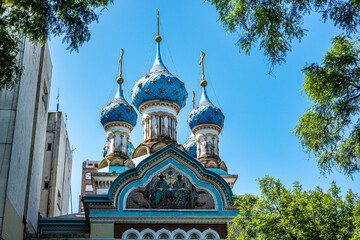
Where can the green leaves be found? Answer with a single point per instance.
(281, 213)
(38, 20)
(330, 128)
(273, 25)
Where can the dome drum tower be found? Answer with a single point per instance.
(206, 122)
(118, 119)
(159, 97)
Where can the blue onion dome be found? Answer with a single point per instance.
(190, 146)
(206, 113)
(118, 110)
(160, 84)
(105, 150)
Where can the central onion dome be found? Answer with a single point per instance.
(206, 113)
(118, 110)
(159, 84)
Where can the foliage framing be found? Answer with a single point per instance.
(38, 20)
(280, 213)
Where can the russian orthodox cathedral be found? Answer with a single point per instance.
(161, 189)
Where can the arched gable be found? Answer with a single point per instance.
(216, 195)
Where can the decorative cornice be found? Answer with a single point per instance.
(159, 102)
(118, 124)
(162, 219)
(206, 126)
(110, 201)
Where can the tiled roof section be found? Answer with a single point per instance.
(159, 83)
(206, 113)
(190, 146)
(118, 110)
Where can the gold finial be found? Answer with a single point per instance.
(120, 80)
(158, 38)
(203, 82)
(193, 99)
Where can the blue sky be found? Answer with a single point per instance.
(260, 110)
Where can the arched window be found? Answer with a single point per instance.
(179, 236)
(131, 236)
(148, 236)
(164, 236)
(194, 236)
(210, 236)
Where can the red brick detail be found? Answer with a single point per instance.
(120, 228)
(84, 181)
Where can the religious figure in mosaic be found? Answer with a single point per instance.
(169, 189)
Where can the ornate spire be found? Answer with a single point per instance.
(158, 64)
(120, 80)
(203, 82)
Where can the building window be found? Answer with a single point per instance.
(59, 201)
(82, 209)
(89, 188)
(194, 236)
(164, 236)
(210, 236)
(48, 147)
(88, 175)
(96, 165)
(179, 236)
(131, 236)
(89, 165)
(46, 185)
(148, 236)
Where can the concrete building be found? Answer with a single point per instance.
(88, 167)
(56, 175)
(23, 117)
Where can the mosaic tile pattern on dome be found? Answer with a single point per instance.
(159, 85)
(118, 110)
(207, 114)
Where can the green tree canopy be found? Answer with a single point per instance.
(280, 213)
(330, 129)
(274, 24)
(38, 20)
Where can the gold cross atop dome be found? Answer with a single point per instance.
(158, 38)
(120, 80)
(203, 82)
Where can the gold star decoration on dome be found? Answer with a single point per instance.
(220, 120)
(146, 90)
(169, 81)
(136, 96)
(147, 76)
(132, 118)
(120, 115)
(175, 91)
(196, 119)
(202, 111)
(210, 117)
(153, 81)
(182, 86)
(161, 75)
(162, 89)
(216, 112)
(113, 108)
(140, 84)
(107, 116)
(184, 98)
(128, 109)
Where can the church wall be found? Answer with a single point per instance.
(102, 230)
(119, 229)
(23, 117)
